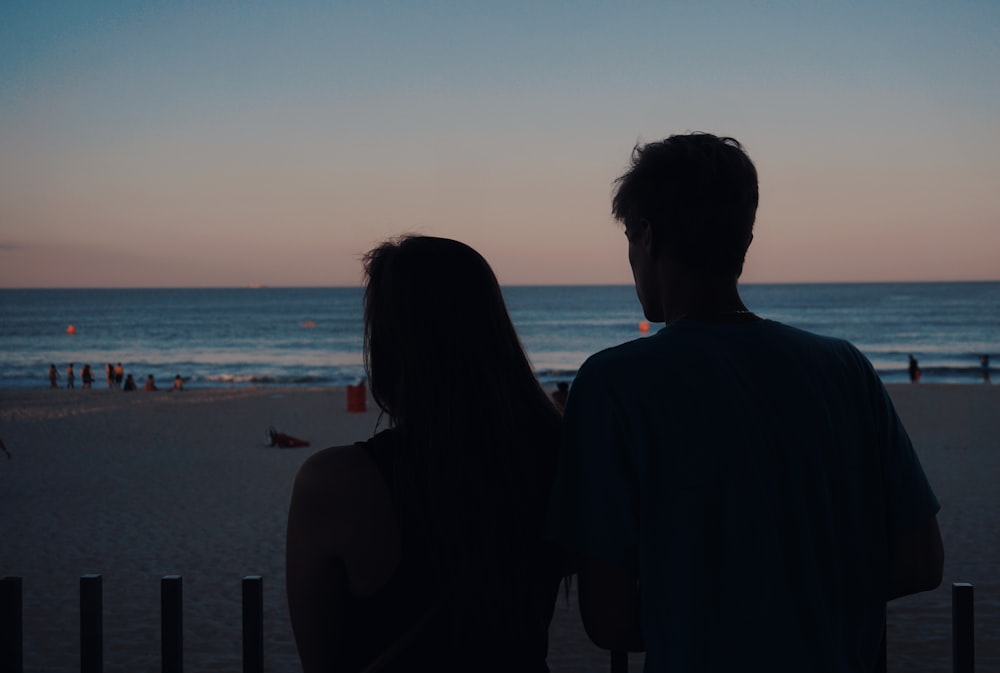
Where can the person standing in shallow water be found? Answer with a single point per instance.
(424, 544)
(53, 377)
(914, 370)
(984, 364)
(70, 376)
(87, 376)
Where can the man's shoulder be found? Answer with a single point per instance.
(616, 358)
(677, 345)
(791, 335)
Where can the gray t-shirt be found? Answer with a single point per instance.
(752, 474)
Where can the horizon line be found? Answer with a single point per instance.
(257, 286)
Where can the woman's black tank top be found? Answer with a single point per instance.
(376, 622)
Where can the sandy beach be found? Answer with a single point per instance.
(138, 486)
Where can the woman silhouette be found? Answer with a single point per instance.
(421, 548)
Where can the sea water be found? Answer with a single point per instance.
(313, 336)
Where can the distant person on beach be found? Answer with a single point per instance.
(119, 375)
(560, 394)
(70, 376)
(53, 377)
(740, 494)
(283, 440)
(109, 369)
(422, 547)
(178, 383)
(129, 383)
(914, 370)
(150, 383)
(984, 363)
(87, 376)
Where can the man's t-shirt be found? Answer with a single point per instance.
(752, 474)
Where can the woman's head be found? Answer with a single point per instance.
(435, 322)
(475, 433)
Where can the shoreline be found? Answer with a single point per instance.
(135, 487)
(891, 375)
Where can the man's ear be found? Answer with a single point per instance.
(646, 237)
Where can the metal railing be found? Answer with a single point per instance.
(92, 624)
(171, 627)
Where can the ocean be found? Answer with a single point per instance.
(313, 336)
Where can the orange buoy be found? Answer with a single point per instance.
(643, 326)
(71, 330)
(308, 323)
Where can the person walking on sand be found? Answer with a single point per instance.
(914, 370)
(421, 548)
(70, 376)
(740, 494)
(53, 377)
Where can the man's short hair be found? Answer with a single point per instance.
(699, 193)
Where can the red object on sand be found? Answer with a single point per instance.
(356, 398)
(285, 441)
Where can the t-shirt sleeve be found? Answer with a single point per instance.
(594, 507)
(909, 498)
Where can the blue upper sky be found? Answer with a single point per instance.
(225, 143)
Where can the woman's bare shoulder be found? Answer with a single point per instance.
(342, 496)
(337, 472)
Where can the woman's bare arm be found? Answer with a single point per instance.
(315, 579)
(342, 538)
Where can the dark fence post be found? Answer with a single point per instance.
(171, 624)
(91, 624)
(253, 624)
(11, 625)
(963, 653)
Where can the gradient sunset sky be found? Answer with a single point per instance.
(234, 143)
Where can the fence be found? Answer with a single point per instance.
(171, 627)
(92, 625)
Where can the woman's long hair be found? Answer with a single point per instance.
(476, 432)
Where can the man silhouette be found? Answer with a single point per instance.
(740, 494)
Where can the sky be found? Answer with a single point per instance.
(204, 144)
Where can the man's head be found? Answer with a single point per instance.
(698, 194)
